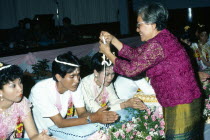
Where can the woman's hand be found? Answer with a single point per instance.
(107, 36)
(104, 116)
(104, 48)
(136, 103)
(42, 136)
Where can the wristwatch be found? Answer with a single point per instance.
(88, 119)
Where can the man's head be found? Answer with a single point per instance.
(66, 71)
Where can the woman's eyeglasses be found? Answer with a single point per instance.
(139, 23)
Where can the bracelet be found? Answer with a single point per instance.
(88, 119)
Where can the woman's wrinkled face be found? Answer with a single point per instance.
(203, 37)
(12, 91)
(108, 77)
(145, 30)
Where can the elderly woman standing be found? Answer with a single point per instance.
(167, 65)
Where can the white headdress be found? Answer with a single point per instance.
(66, 63)
(4, 67)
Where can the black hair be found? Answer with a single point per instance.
(62, 69)
(9, 74)
(154, 13)
(203, 29)
(96, 62)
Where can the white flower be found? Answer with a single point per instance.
(134, 120)
(121, 131)
(151, 133)
(138, 134)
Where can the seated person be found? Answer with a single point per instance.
(52, 98)
(192, 50)
(98, 91)
(14, 107)
(126, 87)
(202, 48)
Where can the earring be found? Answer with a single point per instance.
(1, 98)
(96, 76)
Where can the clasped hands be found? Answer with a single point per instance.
(108, 38)
(136, 103)
(104, 116)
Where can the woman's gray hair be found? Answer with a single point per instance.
(154, 13)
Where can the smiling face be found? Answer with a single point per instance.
(146, 30)
(69, 82)
(108, 78)
(12, 91)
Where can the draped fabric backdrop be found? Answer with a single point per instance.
(80, 11)
(25, 61)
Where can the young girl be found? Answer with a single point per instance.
(14, 108)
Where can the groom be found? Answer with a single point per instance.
(52, 98)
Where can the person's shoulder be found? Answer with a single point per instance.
(43, 86)
(44, 82)
(23, 103)
(88, 78)
(121, 80)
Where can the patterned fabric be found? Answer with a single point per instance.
(10, 118)
(167, 65)
(181, 123)
(81, 132)
(203, 52)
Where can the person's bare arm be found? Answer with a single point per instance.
(101, 116)
(32, 131)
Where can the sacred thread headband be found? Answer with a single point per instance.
(3, 67)
(108, 63)
(65, 63)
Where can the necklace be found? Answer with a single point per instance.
(4, 112)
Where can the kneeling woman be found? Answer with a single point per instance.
(98, 91)
(14, 108)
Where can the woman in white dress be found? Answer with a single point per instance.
(98, 91)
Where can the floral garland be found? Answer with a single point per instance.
(19, 128)
(71, 108)
(102, 99)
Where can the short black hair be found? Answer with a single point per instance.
(203, 29)
(10, 74)
(62, 69)
(154, 13)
